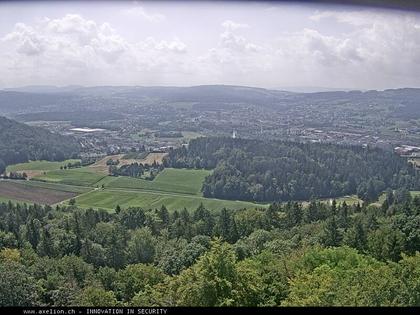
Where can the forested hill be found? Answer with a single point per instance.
(20, 143)
(285, 255)
(249, 169)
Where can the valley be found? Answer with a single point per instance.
(91, 188)
(165, 156)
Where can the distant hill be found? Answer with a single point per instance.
(86, 117)
(41, 89)
(124, 98)
(311, 89)
(403, 103)
(24, 102)
(20, 143)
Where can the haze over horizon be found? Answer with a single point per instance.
(268, 45)
(293, 89)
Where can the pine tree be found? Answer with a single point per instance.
(46, 245)
(344, 216)
(271, 216)
(311, 212)
(334, 208)
(331, 236)
(164, 216)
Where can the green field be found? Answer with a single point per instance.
(175, 188)
(415, 193)
(38, 166)
(169, 180)
(79, 177)
(135, 155)
(192, 179)
(56, 186)
(108, 199)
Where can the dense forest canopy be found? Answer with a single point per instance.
(20, 143)
(257, 170)
(288, 254)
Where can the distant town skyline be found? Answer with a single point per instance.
(271, 45)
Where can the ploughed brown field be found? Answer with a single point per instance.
(20, 191)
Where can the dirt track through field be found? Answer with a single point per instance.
(20, 191)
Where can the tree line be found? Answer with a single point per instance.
(20, 143)
(135, 170)
(256, 170)
(287, 254)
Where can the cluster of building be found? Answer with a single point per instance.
(407, 150)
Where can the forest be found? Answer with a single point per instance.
(134, 169)
(248, 169)
(20, 143)
(286, 255)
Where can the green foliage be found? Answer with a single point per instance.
(248, 169)
(214, 280)
(408, 273)
(132, 170)
(342, 277)
(175, 255)
(141, 247)
(386, 243)
(2, 167)
(17, 287)
(7, 239)
(134, 279)
(286, 254)
(21, 143)
(331, 236)
(92, 297)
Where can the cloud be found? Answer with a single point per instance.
(379, 49)
(356, 18)
(357, 49)
(234, 56)
(312, 47)
(174, 45)
(73, 48)
(232, 43)
(375, 49)
(230, 40)
(231, 26)
(28, 41)
(140, 12)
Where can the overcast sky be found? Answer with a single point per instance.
(271, 45)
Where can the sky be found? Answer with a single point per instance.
(270, 45)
